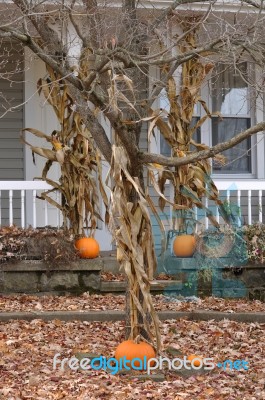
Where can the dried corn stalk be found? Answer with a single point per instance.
(191, 182)
(131, 227)
(73, 148)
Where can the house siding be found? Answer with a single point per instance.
(11, 123)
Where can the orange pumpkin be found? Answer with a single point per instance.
(184, 245)
(131, 350)
(88, 247)
(198, 362)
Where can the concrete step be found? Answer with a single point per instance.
(156, 286)
(119, 315)
(110, 264)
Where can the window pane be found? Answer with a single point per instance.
(197, 134)
(230, 91)
(163, 101)
(237, 160)
(165, 149)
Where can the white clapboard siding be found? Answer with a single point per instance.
(11, 123)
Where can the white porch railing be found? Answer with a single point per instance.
(239, 189)
(40, 214)
(29, 210)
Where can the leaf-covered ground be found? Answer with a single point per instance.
(116, 302)
(27, 350)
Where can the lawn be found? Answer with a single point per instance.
(27, 350)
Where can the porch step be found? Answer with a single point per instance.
(110, 264)
(156, 286)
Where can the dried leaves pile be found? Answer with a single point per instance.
(99, 302)
(27, 350)
(53, 246)
(255, 237)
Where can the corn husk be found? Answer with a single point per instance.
(131, 227)
(73, 148)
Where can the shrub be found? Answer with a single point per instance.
(53, 246)
(255, 237)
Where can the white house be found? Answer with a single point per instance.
(242, 178)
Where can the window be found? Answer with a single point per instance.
(165, 148)
(197, 134)
(230, 98)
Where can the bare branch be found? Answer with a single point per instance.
(254, 3)
(93, 23)
(12, 33)
(76, 26)
(204, 154)
(48, 35)
(168, 11)
(96, 129)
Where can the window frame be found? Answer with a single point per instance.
(257, 112)
(197, 115)
(251, 117)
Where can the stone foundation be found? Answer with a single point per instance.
(246, 281)
(35, 277)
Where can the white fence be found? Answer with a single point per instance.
(31, 210)
(247, 194)
(39, 213)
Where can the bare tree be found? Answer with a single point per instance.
(104, 52)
